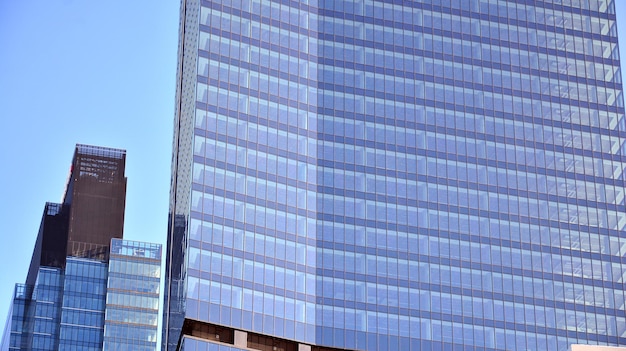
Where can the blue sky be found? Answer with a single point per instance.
(91, 72)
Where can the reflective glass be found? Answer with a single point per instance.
(385, 175)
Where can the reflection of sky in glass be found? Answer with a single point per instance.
(372, 175)
(91, 302)
(132, 296)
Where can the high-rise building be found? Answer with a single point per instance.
(86, 288)
(397, 175)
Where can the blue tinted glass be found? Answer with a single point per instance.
(381, 175)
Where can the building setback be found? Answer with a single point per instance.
(87, 288)
(397, 175)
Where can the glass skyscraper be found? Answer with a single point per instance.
(87, 289)
(397, 175)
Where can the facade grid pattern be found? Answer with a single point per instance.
(132, 302)
(404, 175)
(82, 314)
(90, 305)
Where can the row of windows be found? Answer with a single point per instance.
(433, 274)
(488, 289)
(426, 158)
(44, 326)
(404, 17)
(41, 342)
(458, 127)
(472, 283)
(46, 309)
(135, 249)
(435, 248)
(150, 269)
(85, 268)
(230, 238)
(432, 212)
(461, 179)
(425, 118)
(78, 346)
(477, 188)
(124, 282)
(461, 148)
(505, 34)
(86, 301)
(112, 344)
(132, 300)
(351, 238)
(389, 270)
(513, 12)
(479, 204)
(448, 335)
(436, 45)
(238, 298)
(392, 245)
(114, 331)
(257, 273)
(481, 79)
(406, 89)
(50, 277)
(84, 285)
(454, 225)
(505, 80)
(47, 294)
(405, 65)
(507, 313)
(370, 138)
(409, 116)
(499, 257)
(452, 98)
(504, 9)
(255, 160)
(82, 317)
(81, 335)
(285, 10)
(394, 268)
(126, 315)
(445, 328)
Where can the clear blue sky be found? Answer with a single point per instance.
(92, 72)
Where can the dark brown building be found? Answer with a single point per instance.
(96, 196)
(92, 212)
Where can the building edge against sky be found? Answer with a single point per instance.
(397, 175)
(86, 288)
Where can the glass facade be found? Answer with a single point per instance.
(82, 316)
(17, 333)
(35, 315)
(42, 319)
(90, 304)
(132, 297)
(400, 175)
